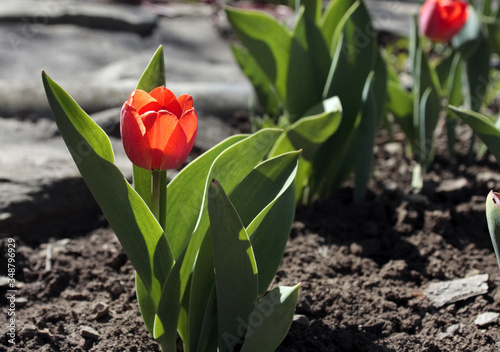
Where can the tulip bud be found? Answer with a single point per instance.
(440, 20)
(158, 130)
(493, 219)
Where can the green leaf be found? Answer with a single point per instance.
(202, 296)
(269, 237)
(355, 59)
(154, 74)
(165, 324)
(147, 304)
(400, 103)
(312, 9)
(308, 67)
(429, 116)
(263, 88)
(271, 319)
(183, 208)
(483, 127)
(426, 103)
(265, 194)
(230, 166)
(309, 134)
(365, 140)
(477, 74)
(493, 33)
(267, 40)
(334, 18)
(235, 268)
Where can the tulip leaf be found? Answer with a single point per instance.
(236, 274)
(265, 194)
(202, 296)
(264, 90)
(183, 208)
(493, 33)
(309, 63)
(355, 58)
(154, 74)
(483, 127)
(271, 319)
(147, 304)
(267, 40)
(269, 237)
(477, 75)
(365, 140)
(230, 165)
(334, 18)
(133, 223)
(165, 324)
(308, 134)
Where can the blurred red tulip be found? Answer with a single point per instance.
(158, 130)
(440, 20)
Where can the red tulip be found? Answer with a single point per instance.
(158, 130)
(440, 20)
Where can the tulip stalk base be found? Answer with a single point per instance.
(159, 196)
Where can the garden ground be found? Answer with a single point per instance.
(363, 268)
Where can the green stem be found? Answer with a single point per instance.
(159, 197)
(156, 194)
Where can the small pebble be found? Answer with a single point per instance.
(301, 320)
(73, 295)
(28, 331)
(21, 301)
(450, 331)
(89, 332)
(45, 334)
(486, 318)
(100, 309)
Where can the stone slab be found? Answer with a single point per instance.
(107, 16)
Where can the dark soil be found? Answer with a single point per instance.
(363, 269)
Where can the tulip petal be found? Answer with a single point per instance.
(142, 101)
(134, 138)
(186, 102)
(167, 100)
(176, 150)
(189, 123)
(159, 127)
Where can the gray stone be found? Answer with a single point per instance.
(42, 190)
(486, 318)
(301, 320)
(100, 68)
(392, 16)
(393, 148)
(451, 330)
(89, 332)
(452, 185)
(446, 292)
(115, 17)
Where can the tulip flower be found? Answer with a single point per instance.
(440, 20)
(158, 130)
